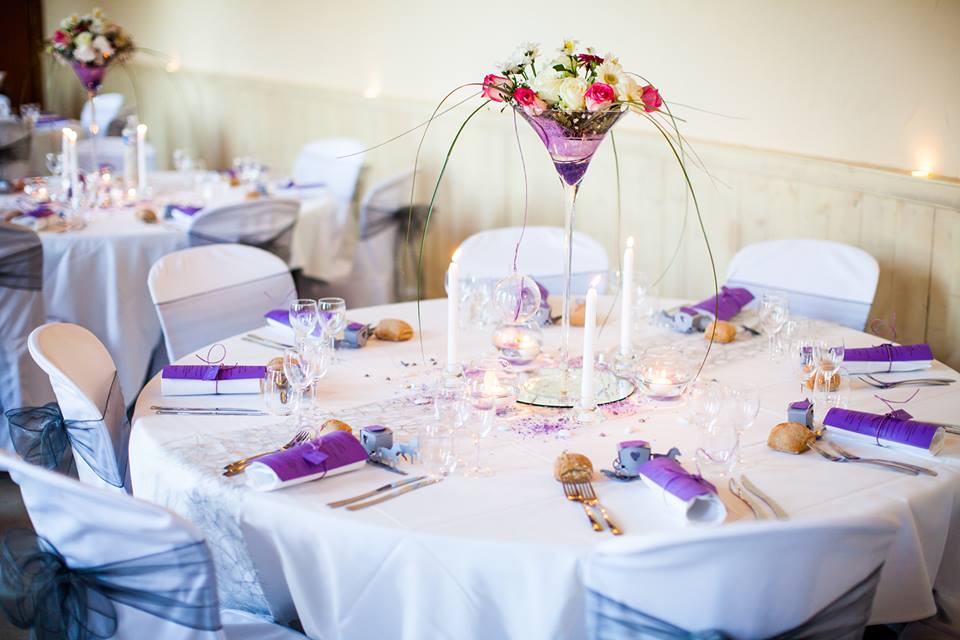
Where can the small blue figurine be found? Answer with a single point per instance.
(376, 437)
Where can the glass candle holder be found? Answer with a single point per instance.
(664, 373)
(518, 344)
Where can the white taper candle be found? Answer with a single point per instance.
(588, 396)
(626, 293)
(142, 160)
(453, 313)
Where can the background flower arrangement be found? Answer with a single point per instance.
(90, 40)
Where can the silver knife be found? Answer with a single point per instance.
(386, 487)
(228, 409)
(277, 343)
(242, 414)
(736, 490)
(390, 496)
(770, 502)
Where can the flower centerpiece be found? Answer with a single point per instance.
(90, 44)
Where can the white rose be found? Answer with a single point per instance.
(571, 93)
(101, 44)
(84, 54)
(84, 39)
(547, 85)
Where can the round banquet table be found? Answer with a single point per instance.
(502, 557)
(97, 276)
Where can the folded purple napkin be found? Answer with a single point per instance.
(333, 453)
(889, 353)
(894, 429)
(204, 379)
(182, 209)
(688, 496)
(730, 301)
(39, 212)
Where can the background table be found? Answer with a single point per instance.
(501, 557)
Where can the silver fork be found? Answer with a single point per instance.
(888, 465)
(238, 466)
(850, 456)
(590, 498)
(573, 494)
(892, 384)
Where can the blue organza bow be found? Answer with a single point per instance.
(844, 618)
(40, 591)
(43, 437)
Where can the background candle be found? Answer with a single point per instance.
(142, 159)
(626, 291)
(453, 312)
(587, 393)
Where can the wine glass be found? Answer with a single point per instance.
(317, 352)
(828, 352)
(437, 449)
(299, 373)
(303, 318)
(774, 311)
(718, 446)
(277, 393)
(804, 364)
(831, 389)
(333, 317)
(743, 403)
(704, 401)
(480, 424)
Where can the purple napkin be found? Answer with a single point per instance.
(319, 456)
(186, 210)
(212, 372)
(39, 212)
(889, 353)
(801, 405)
(731, 301)
(674, 479)
(893, 427)
(282, 316)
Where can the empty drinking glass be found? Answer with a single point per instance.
(717, 450)
(303, 318)
(804, 364)
(318, 353)
(743, 405)
(831, 389)
(277, 394)
(299, 373)
(333, 317)
(437, 449)
(774, 311)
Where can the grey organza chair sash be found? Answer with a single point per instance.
(278, 245)
(849, 313)
(21, 258)
(203, 318)
(43, 437)
(843, 619)
(42, 592)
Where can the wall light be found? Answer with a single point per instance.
(920, 173)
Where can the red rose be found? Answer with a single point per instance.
(59, 37)
(651, 98)
(598, 95)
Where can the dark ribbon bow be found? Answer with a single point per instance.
(22, 267)
(844, 618)
(42, 436)
(39, 590)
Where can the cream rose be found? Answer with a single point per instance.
(571, 93)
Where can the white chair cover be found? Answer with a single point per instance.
(488, 255)
(108, 107)
(749, 581)
(90, 527)
(322, 161)
(22, 383)
(205, 294)
(110, 152)
(84, 380)
(374, 274)
(266, 223)
(822, 279)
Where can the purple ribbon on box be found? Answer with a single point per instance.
(889, 353)
(727, 303)
(322, 455)
(895, 426)
(674, 479)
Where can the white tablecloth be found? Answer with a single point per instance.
(501, 557)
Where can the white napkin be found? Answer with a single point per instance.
(181, 387)
(855, 367)
(704, 510)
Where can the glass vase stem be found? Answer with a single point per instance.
(570, 197)
(94, 130)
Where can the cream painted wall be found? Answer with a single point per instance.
(866, 81)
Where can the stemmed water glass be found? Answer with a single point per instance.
(318, 353)
(333, 317)
(743, 402)
(480, 424)
(804, 364)
(830, 381)
(299, 372)
(774, 312)
(304, 317)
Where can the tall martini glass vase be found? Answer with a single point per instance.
(91, 77)
(571, 140)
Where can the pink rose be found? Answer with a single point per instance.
(529, 100)
(59, 37)
(598, 95)
(651, 98)
(496, 88)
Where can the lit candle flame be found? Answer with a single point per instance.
(596, 281)
(630, 241)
